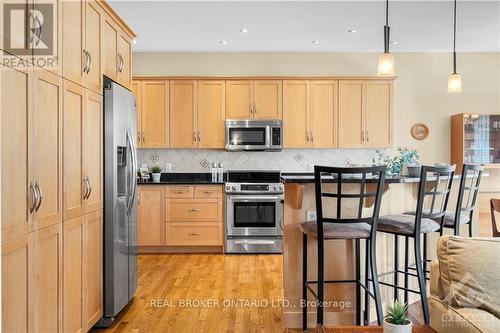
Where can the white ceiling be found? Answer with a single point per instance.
(291, 26)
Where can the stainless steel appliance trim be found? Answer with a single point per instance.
(254, 245)
(250, 123)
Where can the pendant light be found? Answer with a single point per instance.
(454, 80)
(386, 59)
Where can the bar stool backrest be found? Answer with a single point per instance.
(365, 175)
(468, 189)
(433, 193)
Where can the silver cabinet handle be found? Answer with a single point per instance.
(367, 137)
(90, 187)
(40, 196)
(178, 192)
(143, 136)
(251, 108)
(193, 210)
(119, 65)
(86, 63)
(199, 136)
(195, 136)
(362, 136)
(138, 199)
(308, 138)
(86, 189)
(194, 234)
(90, 62)
(255, 109)
(34, 198)
(208, 192)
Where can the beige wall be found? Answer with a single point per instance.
(419, 93)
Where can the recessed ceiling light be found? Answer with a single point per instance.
(243, 30)
(315, 41)
(393, 42)
(352, 31)
(222, 42)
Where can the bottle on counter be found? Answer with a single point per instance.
(220, 173)
(214, 172)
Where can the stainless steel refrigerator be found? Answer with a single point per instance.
(120, 200)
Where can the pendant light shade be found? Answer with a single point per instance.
(386, 60)
(454, 80)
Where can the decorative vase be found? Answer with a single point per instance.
(156, 177)
(393, 328)
(412, 170)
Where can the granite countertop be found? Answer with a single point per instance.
(183, 178)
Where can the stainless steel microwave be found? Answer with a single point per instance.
(254, 135)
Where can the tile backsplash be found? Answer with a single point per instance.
(287, 160)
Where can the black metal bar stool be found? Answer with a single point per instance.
(434, 189)
(343, 228)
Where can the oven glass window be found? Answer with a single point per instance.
(254, 214)
(247, 136)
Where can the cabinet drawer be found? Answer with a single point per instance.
(180, 210)
(208, 191)
(179, 191)
(179, 234)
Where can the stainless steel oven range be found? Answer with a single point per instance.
(254, 212)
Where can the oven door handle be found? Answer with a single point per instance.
(249, 198)
(255, 242)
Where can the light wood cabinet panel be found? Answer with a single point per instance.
(183, 110)
(73, 247)
(179, 191)
(73, 40)
(324, 114)
(202, 234)
(211, 114)
(73, 115)
(93, 79)
(351, 114)
(268, 99)
(155, 115)
(124, 70)
(47, 152)
(209, 191)
(109, 47)
(48, 284)
(378, 114)
(17, 284)
(151, 216)
(16, 135)
(136, 88)
(239, 99)
(93, 274)
(296, 113)
(207, 210)
(53, 64)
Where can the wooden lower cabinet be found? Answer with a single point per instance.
(151, 216)
(93, 270)
(198, 234)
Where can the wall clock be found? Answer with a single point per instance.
(419, 131)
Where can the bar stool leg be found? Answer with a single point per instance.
(396, 264)
(425, 258)
(304, 281)
(321, 281)
(421, 280)
(470, 228)
(358, 288)
(406, 268)
(376, 287)
(367, 277)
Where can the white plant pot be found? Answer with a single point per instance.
(156, 177)
(391, 328)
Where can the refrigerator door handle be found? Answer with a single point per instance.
(133, 180)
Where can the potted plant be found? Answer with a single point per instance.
(406, 163)
(155, 173)
(396, 319)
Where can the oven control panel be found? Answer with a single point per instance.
(253, 188)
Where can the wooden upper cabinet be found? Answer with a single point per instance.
(109, 47)
(378, 95)
(183, 109)
(324, 114)
(47, 152)
(93, 43)
(296, 113)
(48, 269)
(16, 133)
(211, 114)
(154, 114)
(54, 64)
(124, 68)
(151, 216)
(73, 40)
(136, 88)
(92, 269)
(268, 99)
(239, 99)
(351, 114)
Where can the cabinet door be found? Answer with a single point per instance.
(73, 40)
(183, 106)
(93, 150)
(351, 114)
(73, 183)
(268, 99)
(73, 231)
(324, 114)
(239, 99)
(93, 79)
(296, 98)
(47, 150)
(17, 284)
(378, 101)
(211, 114)
(53, 64)
(151, 216)
(155, 115)
(124, 58)
(109, 47)
(136, 88)
(16, 129)
(48, 269)
(93, 239)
